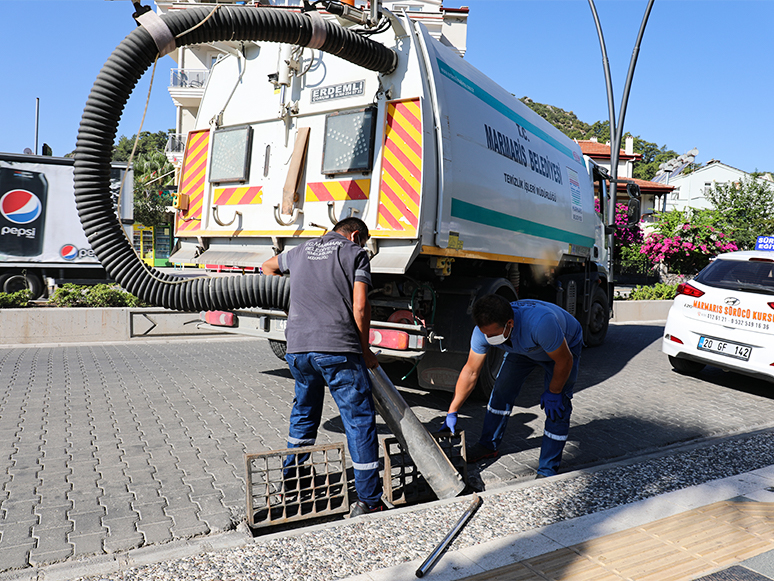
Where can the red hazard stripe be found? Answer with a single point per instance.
(396, 175)
(409, 141)
(321, 191)
(390, 219)
(409, 115)
(395, 199)
(354, 191)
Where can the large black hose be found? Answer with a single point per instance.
(99, 125)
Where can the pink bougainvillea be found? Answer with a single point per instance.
(689, 252)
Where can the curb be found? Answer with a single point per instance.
(44, 325)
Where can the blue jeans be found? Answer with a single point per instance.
(346, 376)
(513, 372)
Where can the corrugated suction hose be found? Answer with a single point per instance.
(99, 125)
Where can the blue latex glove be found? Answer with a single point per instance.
(553, 403)
(450, 423)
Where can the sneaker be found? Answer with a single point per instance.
(360, 508)
(479, 452)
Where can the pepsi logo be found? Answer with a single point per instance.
(20, 206)
(68, 252)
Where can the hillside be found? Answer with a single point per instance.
(568, 123)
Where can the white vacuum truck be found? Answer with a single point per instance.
(465, 190)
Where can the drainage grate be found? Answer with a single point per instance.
(403, 483)
(314, 485)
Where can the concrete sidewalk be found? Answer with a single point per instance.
(721, 530)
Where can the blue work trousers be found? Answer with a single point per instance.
(514, 371)
(346, 376)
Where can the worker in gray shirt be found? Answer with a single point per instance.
(327, 344)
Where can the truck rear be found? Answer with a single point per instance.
(41, 237)
(465, 190)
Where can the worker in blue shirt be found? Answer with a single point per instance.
(532, 333)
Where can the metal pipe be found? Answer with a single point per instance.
(442, 546)
(439, 472)
(611, 114)
(630, 74)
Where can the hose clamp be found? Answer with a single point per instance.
(319, 32)
(159, 31)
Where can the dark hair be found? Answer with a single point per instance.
(492, 309)
(352, 224)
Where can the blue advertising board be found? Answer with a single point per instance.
(764, 243)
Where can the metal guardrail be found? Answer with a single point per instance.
(188, 78)
(176, 143)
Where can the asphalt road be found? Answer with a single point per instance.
(105, 448)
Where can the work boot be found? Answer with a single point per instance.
(360, 508)
(478, 452)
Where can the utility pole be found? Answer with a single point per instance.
(37, 121)
(616, 132)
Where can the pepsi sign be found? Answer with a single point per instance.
(68, 252)
(23, 197)
(20, 207)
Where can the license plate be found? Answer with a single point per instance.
(280, 324)
(728, 348)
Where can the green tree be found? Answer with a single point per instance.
(746, 209)
(152, 171)
(652, 157)
(148, 143)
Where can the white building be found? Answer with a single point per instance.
(652, 193)
(690, 190)
(188, 79)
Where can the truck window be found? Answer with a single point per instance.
(349, 141)
(230, 158)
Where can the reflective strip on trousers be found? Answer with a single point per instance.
(300, 442)
(369, 466)
(555, 436)
(505, 412)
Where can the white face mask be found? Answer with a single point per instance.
(499, 339)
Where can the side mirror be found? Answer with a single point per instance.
(633, 191)
(633, 211)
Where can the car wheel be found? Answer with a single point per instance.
(279, 348)
(595, 329)
(686, 366)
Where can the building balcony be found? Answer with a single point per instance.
(175, 148)
(186, 86)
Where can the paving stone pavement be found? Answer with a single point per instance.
(109, 447)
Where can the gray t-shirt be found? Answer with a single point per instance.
(323, 273)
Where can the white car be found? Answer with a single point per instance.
(725, 317)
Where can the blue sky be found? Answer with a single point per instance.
(704, 76)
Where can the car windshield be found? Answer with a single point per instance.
(751, 276)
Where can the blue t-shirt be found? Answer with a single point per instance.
(323, 272)
(538, 329)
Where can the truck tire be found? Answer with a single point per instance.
(685, 366)
(16, 281)
(279, 348)
(595, 329)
